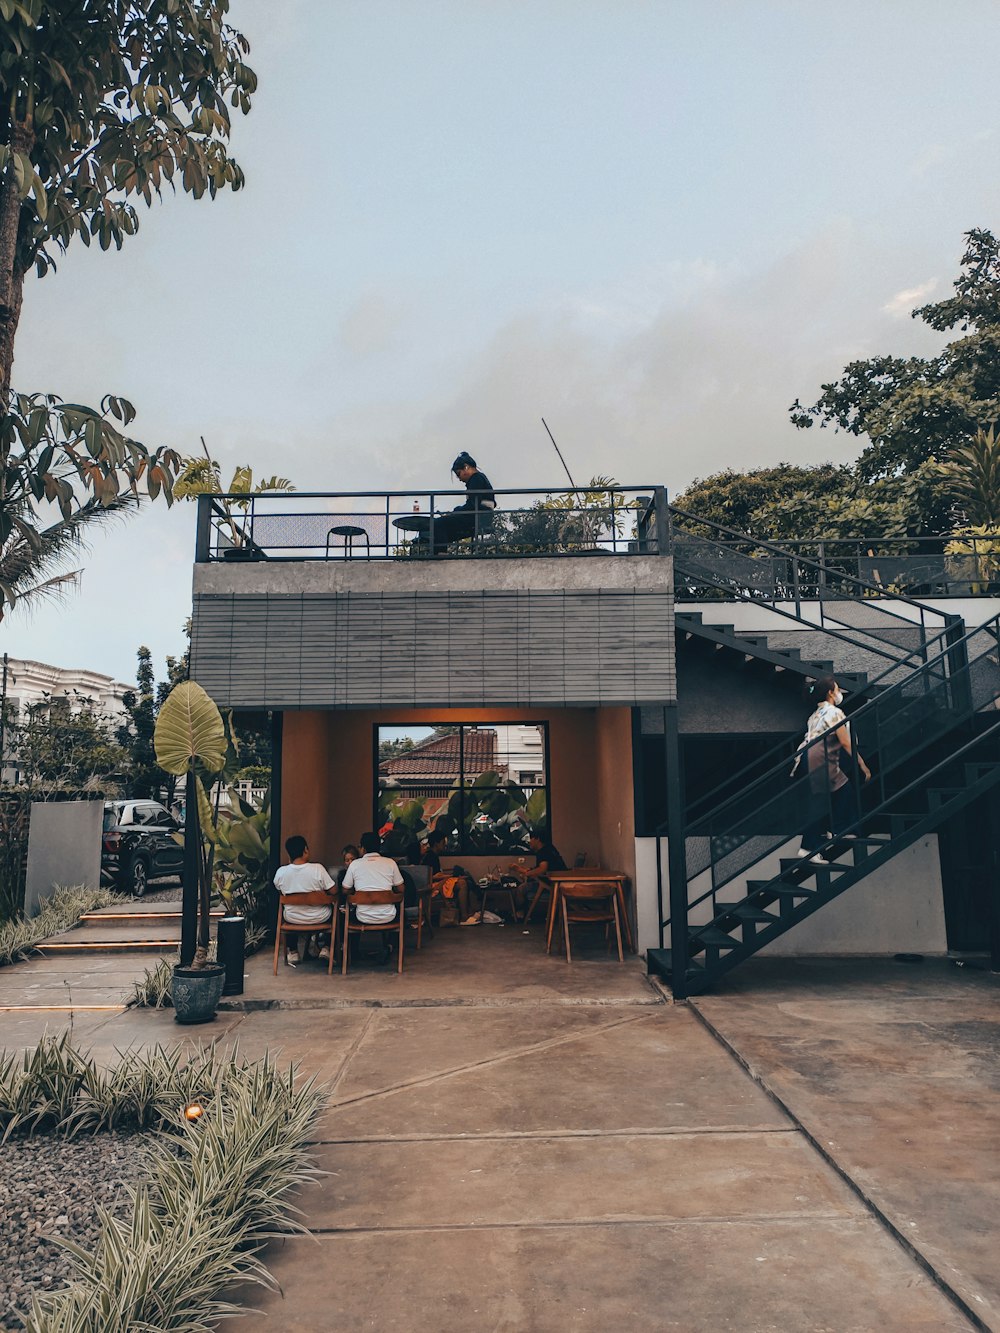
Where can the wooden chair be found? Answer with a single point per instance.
(542, 885)
(590, 902)
(317, 898)
(420, 879)
(373, 898)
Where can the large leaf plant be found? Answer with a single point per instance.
(190, 742)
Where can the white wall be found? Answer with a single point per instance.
(898, 908)
(751, 616)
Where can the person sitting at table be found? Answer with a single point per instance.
(473, 517)
(373, 872)
(303, 876)
(446, 882)
(536, 880)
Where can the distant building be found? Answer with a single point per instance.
(29, 683)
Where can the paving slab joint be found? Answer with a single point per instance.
(939, 1280)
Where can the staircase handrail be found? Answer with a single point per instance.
(867, 708)
(882, 804)
(948, 759)
(897, 663)
(877, 648)
(822, 566)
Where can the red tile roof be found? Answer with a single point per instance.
(438, 757)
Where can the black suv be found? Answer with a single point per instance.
(138, 844)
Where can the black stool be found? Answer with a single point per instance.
(349, 532)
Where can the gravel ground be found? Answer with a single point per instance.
(163, 890)
(51, 1186)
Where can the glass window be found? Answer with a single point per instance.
(466, 782)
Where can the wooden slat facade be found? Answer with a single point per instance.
(459, 648)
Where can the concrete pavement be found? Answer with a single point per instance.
(515, 1144)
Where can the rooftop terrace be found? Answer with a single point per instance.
(404, 525)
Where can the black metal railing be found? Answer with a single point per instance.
(380, 525)
(713, 562)
(899, 732)
(943, 566)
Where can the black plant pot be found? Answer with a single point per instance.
(196, 992)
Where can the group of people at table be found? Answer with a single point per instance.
(367, 870)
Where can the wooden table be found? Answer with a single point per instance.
(586, 874)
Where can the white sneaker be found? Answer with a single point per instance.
(292, 958)
(492, 919)
(324, 954)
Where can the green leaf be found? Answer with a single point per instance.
(189, 728)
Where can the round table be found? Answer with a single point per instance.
(413, 522)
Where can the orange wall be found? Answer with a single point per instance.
(327, 777)
(615, 803)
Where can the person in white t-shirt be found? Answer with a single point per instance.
(303, 876)
(373, 872)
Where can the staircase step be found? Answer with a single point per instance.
(728, 631)
(900, 824)
(155, 917)
(144, 936)
(744, 911)
(976, 772)
(714, 937)
(938, 796)
(658, 963)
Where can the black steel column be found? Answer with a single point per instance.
(192, 856)
(676, 853)
(994, 907)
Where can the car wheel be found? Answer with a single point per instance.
(136, 880)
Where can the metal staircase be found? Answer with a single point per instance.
(759, 648)
(928, 730)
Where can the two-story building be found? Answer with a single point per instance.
(651, 667)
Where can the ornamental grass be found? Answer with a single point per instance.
(217, 1187)
(59, 912)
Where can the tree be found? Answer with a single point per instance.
(67, 745)
(135, 733)
(741, 500)
(914, 409)
(972, 476)
(102, 103)
(390, 749)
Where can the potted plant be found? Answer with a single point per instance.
(241, 872)
(190, 742)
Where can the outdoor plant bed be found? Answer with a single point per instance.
(60, 912)
(50, 1190)
(215, 1143)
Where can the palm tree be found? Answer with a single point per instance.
(974, 478)
(31, 558)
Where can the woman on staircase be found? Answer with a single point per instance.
(832, 801)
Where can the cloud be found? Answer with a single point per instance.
(900, 305)
(668, 376)
(372, 324)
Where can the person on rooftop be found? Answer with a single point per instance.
(473, 517)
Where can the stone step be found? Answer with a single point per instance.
(115, 937)
(155, 912)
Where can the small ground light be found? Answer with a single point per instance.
(194, 1111)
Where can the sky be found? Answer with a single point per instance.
(656, 223)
